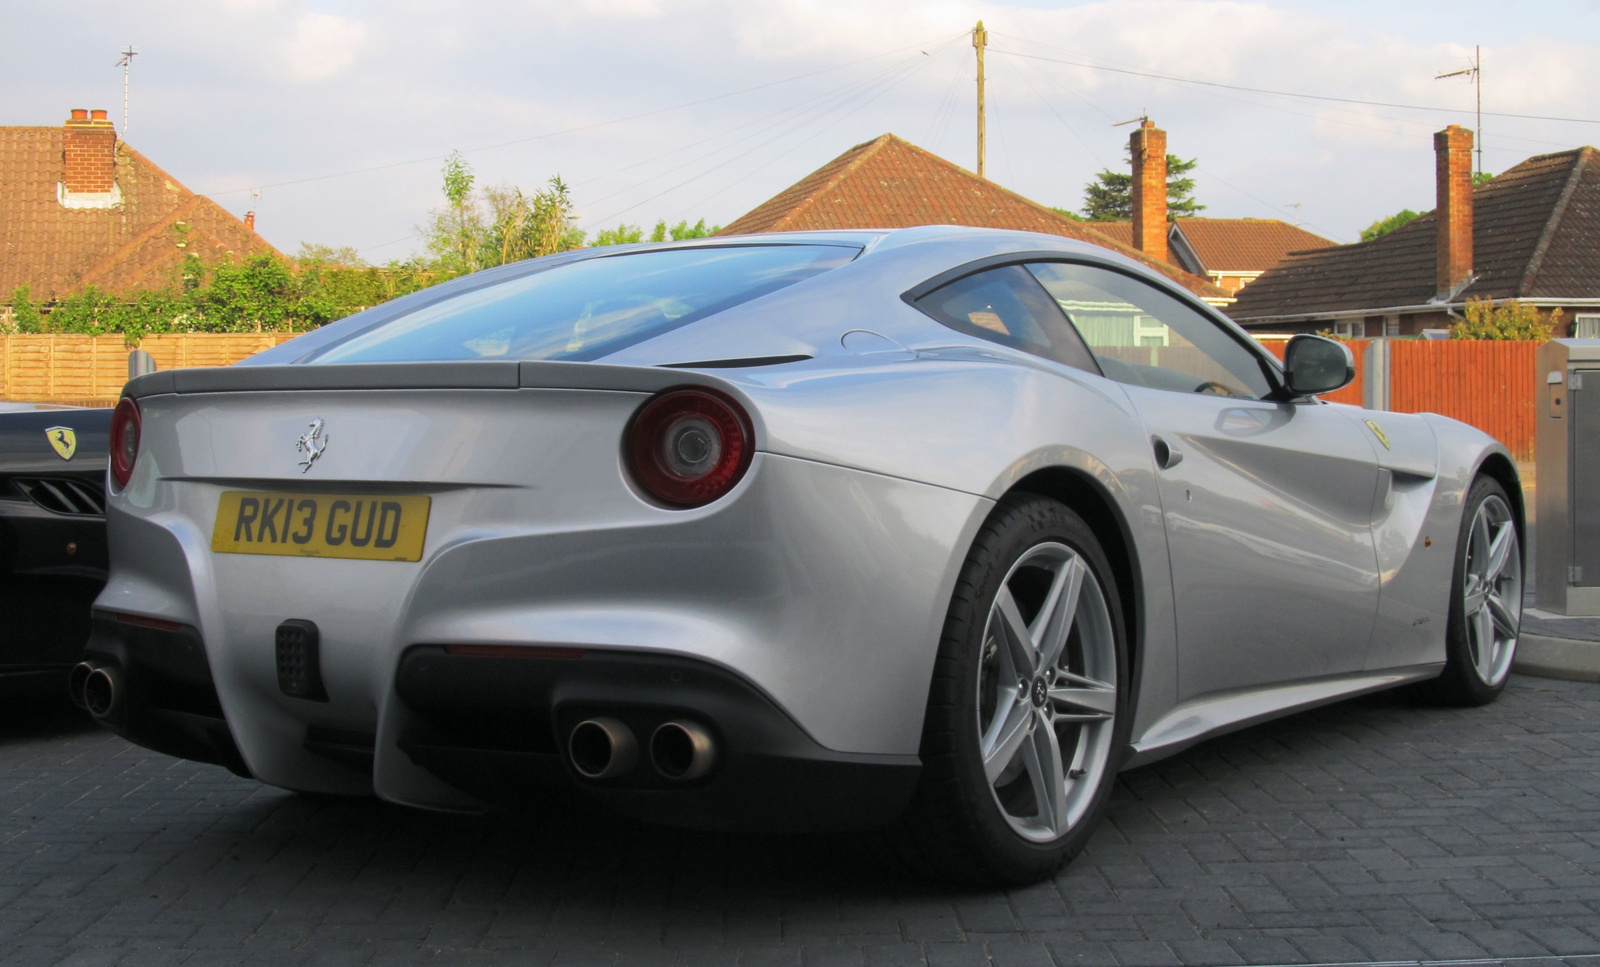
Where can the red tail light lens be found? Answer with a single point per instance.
(124, 440)
(687, 447)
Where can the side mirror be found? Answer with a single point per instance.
(1316, 364)
(140, 363)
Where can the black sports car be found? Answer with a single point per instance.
(52, 535)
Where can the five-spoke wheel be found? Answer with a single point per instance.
(1486, 604)
(1028, 709)
(1046, 691)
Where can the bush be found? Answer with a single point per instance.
(1487, 319)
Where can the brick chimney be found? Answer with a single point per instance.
(1148, 145)
(1452, 150)
(89, 161)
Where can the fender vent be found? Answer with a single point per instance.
(64, 495)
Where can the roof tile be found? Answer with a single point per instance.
(890, 183)
(139, 245)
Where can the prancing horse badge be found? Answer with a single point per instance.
(63, 439)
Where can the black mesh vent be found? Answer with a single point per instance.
(64, 495)
(299, 670)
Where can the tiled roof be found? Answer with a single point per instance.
(135, 246)
(1534, 235)
(1231, 244)
(1120, 231)
(1245, 244)
(890, 183)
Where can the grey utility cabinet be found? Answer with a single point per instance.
(1567, 567)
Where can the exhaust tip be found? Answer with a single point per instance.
(682, 750)
(602, 748)
(75, 680)
(102, 691)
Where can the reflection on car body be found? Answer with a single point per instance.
(932, 529)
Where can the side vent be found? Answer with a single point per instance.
(64, 495)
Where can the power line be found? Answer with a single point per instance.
(1309, 97)
(565, 131)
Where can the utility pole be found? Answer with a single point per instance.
(1475, 72)
(126, 62)
(980, 40)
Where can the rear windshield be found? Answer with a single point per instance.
(588, 308)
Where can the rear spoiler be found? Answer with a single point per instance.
(487, 374)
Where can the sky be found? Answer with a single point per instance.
(332, 119)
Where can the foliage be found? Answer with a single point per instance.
(1487, 319)
(498, 225)
(1109, 198)
(1384, 226)
(328, 256)
(24, 315)
(1067, 213)
(625, 234)
(262, 293)
(1481, 178)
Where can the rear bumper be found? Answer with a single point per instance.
(495, 728)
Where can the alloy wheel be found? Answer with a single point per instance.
(1047, 692)
(1491, 590)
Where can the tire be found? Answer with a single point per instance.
(982, 813)
(1485, 600)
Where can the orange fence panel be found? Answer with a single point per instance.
(1487, 383)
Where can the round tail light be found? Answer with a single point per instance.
(687, 447)
(124, 440)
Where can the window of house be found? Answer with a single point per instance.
(1143, 336)
(1586, 327)
(1008, 306)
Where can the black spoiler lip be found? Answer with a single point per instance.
(488, 374)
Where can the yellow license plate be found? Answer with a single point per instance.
(361, 526)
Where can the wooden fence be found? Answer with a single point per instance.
(90, 370)
(1488, 384)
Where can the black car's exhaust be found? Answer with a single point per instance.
(602, 748)
(682, 750)
(102, 691)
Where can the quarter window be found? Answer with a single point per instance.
(1007, 305)
(1143, 336)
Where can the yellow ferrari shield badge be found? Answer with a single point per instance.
(63, 440)
(1377, 431)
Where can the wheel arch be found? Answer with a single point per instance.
(1089, 499)
(1498, 467)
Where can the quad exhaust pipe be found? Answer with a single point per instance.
(682, 750)
(96, 688)
(605, 748)
(602, 748)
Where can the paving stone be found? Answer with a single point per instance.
(1367, 830)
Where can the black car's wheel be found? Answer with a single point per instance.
(1485, 600)
(1028, 710)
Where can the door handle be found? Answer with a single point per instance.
(1166, 456)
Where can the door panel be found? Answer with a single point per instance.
(1268, 510)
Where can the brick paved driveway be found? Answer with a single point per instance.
(1369, 831)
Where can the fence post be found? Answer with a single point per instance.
(1375, 381)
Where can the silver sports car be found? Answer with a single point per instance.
(933, 530)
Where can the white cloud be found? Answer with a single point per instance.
(321, 46)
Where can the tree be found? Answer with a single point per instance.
(24, 315)
(500, 224)
(328, 256)
(1109, 198)
(625, 234)
(1384, 226)
(1487, 319)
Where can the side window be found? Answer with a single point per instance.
(1007, 305)
(1143, 336)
